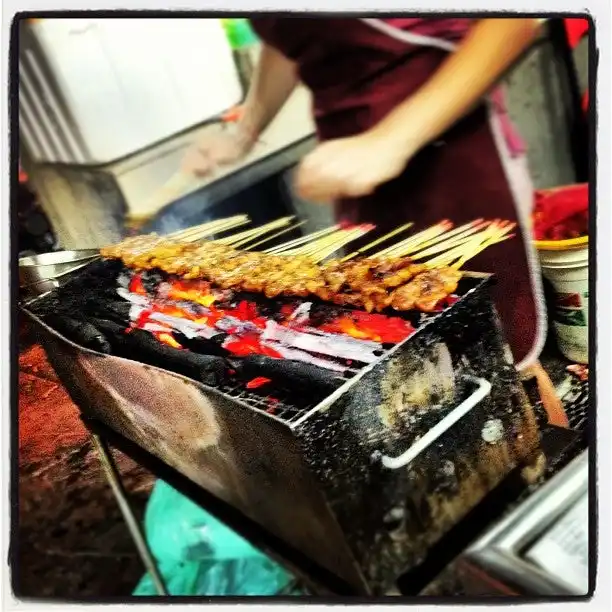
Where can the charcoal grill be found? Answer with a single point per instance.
(357, 490)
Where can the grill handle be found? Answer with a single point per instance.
(483, 389)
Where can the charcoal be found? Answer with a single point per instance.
(112, 330)
(115, 310)
(205, 346)
(80, 332)
(142, 346)
(289, 374)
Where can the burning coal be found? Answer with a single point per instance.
(244, 327)
(225, 337)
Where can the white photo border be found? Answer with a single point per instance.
(598, 9)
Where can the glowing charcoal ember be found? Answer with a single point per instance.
(153, 327)
(189, 327)
(197, 291)
(245, 311)
(248, 344)
(258, 381)
(333, 345)
(136, 285)
(355, 337)
(375, 327)
(167, 338)
(272, 405)
(347, 326)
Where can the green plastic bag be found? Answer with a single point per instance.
(198, 555)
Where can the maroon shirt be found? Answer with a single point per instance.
(358, 70)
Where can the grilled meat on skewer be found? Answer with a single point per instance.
(426, 290)
(370, 283)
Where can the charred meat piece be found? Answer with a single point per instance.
(426, 290)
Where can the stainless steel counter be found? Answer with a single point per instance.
(504, 560)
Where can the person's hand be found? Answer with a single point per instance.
(349, 167)
(216, 147)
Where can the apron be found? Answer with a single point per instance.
(358, 70)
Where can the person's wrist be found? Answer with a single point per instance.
(246, 135)
(400, 143)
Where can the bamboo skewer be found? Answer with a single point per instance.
(304, 239)
(498, 236)
(209, 228)
(461, 262)
(443, 248)
(451, 247)
(398, 249)
(412, 243)
(242, 238)
(326, 245)
(444, 244)
(378, 241)
(444, 241)
(496, 232)
(345, 236)
(317, 245)
(268, 238)
(215, 222)
(203, 232)
(349, 236)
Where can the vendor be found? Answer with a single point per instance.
(407, 133)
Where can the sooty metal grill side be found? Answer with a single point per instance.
(392, 517)
(315, 476)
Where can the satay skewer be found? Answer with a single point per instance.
(448, 239)
(276, 235)
(398, 249)
(237, 240)
(378, 241)
(465, 258)
(313, 246)
(316, 246)
(492, 235)
(350, 237)
(209, 228)
(277, 250)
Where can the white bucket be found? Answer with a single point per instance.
(568, 272)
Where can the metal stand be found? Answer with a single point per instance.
(114, 480)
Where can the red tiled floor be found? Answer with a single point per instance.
(71, 541)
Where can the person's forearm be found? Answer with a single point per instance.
(274, 80)
(482, 58)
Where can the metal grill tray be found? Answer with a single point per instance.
(285, 410)
(311, 475)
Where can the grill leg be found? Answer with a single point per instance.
(114, 480)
